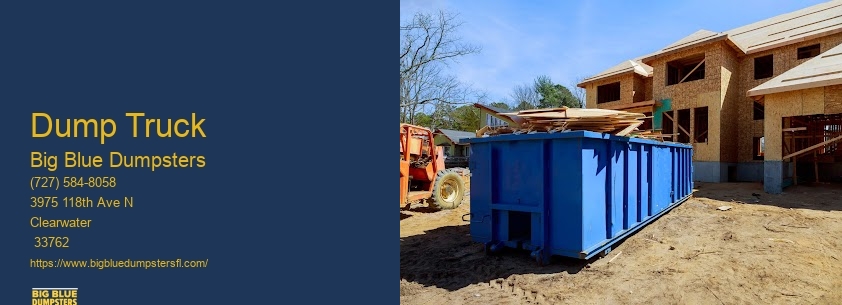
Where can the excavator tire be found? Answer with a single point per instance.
(449, 190)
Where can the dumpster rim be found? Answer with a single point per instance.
(571, 134)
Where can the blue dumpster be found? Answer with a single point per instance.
(572, 194)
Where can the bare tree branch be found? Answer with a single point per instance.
(424, 29)
(578, 92)
(525, 94)
(428, 43)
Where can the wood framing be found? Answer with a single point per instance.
(691, 71)
(811, 148)
(630, 105)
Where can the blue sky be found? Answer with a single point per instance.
(568, 39)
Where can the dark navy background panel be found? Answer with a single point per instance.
(272, 211)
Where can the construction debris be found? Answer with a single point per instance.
(552, 120)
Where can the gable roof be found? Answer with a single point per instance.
(819, 71)
(499, 113)
(492, 108)
(698, 37)
(622, 68)
(811, 22)
(455, 135)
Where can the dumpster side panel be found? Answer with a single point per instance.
(481, 173)
(675, 191)
(630, 189)
(517, 189)
(645, 183)
(689, 177)
(594, 174)
(662, 171)
(518, 177)
(617, 179)
(616, 184)
(565, 195)
(687, 166)
(574, 194)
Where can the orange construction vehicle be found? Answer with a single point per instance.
(423, 175)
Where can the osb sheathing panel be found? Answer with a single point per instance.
(833, 99)
(812, 101)
(757, 128)
(683, 95)
(707, 151)
(705, 92)
(647, 88)
(626, 90)
(638, 87)
(730, 97)
(787, 104)
(784, 58)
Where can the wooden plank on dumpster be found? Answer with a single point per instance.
(629, 129)
(542, 110)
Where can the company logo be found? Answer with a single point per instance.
(54, 296)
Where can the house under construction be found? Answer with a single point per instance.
(762, 102)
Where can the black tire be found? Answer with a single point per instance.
(449, 190)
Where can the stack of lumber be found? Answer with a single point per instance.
(551, 120)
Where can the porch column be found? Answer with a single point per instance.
(773, 165)
(773, 173)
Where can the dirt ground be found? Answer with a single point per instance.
(767, 249)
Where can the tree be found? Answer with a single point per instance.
(423, 119)
(524, 106)
(525, 95)
(579, 92)
(441, 116)
(554, 95)
(465, 118)
(428, 43)
(543, 93)
(501, 105)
